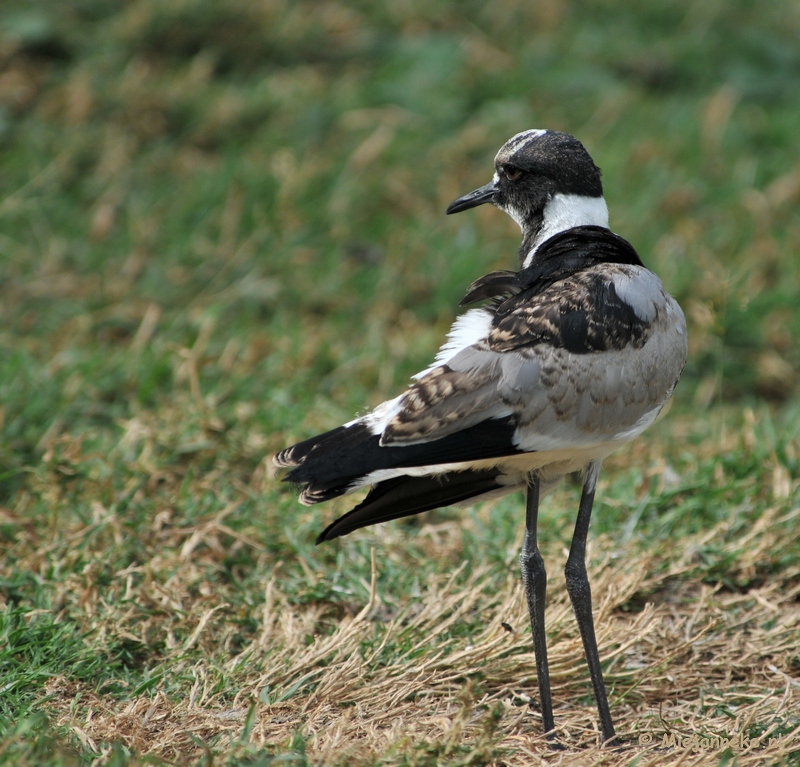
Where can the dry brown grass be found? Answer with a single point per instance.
(692, 660)
(222, 230)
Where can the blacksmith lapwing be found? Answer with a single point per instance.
(569, 358)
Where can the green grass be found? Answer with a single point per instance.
(222, 230)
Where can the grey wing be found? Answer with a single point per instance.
(558, 399)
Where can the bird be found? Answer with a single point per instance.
(565, 360)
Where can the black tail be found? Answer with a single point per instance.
(328, 465)
(404, 496)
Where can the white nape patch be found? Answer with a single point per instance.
(566, 211)
(468, 329)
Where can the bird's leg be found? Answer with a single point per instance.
(580, 595)
(534, 579)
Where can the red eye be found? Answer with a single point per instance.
(511, 173)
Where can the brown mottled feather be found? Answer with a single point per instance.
(528, 367)
(522, 322)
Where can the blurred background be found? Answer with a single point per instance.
(222, 229)
(269, 178)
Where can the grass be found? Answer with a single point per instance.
(221, 230)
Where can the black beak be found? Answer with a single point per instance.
(480, 196)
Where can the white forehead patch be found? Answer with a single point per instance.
(521, 138)
(526, 134)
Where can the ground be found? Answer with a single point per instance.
(222, 230)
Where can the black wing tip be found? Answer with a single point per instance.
(297, 455)
(312, 495)
(406, 496)
(331, 533)
(284, 459)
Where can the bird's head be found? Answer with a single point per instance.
(546, 181)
